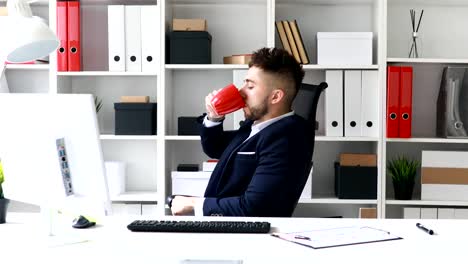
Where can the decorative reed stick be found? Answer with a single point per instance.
(414, 48)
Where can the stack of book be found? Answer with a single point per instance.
(291, 40)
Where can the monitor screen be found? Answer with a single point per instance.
(51, 152)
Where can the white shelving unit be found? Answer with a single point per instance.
(241, 27)
(31, 67)
(443, 44)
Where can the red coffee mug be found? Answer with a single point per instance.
(227, 100)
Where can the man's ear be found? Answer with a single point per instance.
(277, 96)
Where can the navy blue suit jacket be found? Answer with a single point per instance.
(263, 176)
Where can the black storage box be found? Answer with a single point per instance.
(135, 118)
(188, 167)
(187, 125)
(190, 47)
(355, 182)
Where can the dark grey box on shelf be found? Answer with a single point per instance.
(135, 118)
(187, 125)
(355, 182)
(190, 47)
(188, 167)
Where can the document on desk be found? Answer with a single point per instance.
(335, 237)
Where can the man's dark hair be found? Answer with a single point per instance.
(280, 63)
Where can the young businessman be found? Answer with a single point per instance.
(262, 166)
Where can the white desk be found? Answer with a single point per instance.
(21, 242)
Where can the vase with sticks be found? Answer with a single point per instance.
(416, 44)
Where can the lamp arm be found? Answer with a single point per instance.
(19, 8)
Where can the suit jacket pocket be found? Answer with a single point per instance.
(245, 155)
(245, 164)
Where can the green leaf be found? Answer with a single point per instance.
(2, 179)
(97, 103)
(402, 169)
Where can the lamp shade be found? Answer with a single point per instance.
(29, 38)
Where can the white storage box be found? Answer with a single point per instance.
(348, 48)
(209, 165)
(444, 175)
(115, 173)
(190, 182)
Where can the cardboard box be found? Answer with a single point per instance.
(190, 182)
(3, 11)
(189, 24)
(352, 159)
(367, 212)
(349, 48)
(238, 59)
(134, 99)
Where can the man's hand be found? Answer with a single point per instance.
(183, 205)
(210, 110)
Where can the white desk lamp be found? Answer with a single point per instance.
(24, 37)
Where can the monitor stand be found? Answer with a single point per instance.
(57, 229)
(3, 80)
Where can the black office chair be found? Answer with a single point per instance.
(305, 105)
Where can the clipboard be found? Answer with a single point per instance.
(336, 237)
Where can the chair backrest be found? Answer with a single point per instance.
(305, 105)
(306, 101)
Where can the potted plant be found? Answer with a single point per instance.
(403, 172)
(3, 201)
(97, 103)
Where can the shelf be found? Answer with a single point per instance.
(339, 67)
(119, 137)
(431, 2)
(206, 66)
(244, 66)
(29, 67)
(419, 202)
(182, 138)
(334, 200)
(325, 2)
(429, 140)
(216, 2)
(427, 60)
(136, 197)
(344, 139)
(317, 138)
(33, 2)
(115, 2)
(105, 73)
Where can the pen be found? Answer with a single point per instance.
(301, 237)
(425, 229)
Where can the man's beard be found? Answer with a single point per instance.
(258, 111)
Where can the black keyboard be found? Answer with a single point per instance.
(199, 226)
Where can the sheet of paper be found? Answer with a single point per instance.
(334, 237)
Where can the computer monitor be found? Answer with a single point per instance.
(31, 125)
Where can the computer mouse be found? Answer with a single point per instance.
(82, 222)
